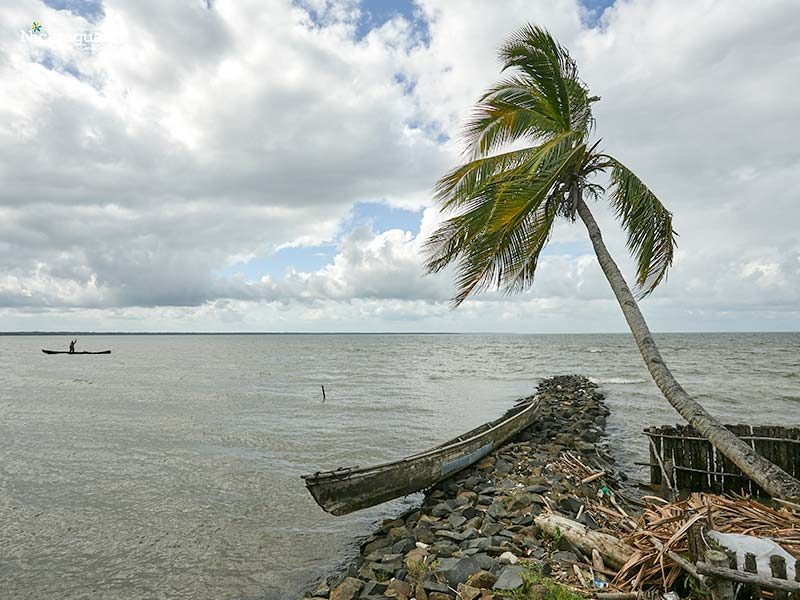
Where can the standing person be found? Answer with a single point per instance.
(72, 346)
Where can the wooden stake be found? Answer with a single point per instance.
(777, 564)
(323, 393)
(721, 588)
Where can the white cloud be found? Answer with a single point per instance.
(133, 176)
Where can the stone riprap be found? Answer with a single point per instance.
(474, 534)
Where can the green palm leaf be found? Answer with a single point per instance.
(497, 237)
(651, 239)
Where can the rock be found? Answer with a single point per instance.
(460, 571)
(507, 558)
(375, 588)
(467, 592)
(590, 435)
(441, 510)
(390, 523)
(524, 519)
(496, 511)
(585, 447)
(564, 439)
(537, 489)
(397, 534)
(477, 544)
(420, 593)
(413, 517)
(519, 501)
(469, 494)
(424, 535)
(378, 555)
(322, 590)
(387, 567)
(431, 585)
(538, 592)
(470, 512)
(485, 463)
(503, 467)
(376, 544)
(510, 578)
(439, 596)
(398, 589)
(476, 523)
(415, 556)
(403, 546)
(444, 549)
(456, 520)
(588, 520)
(348, 589)
(570, 504)
(565, 556)
(482, 579)
(458, 536)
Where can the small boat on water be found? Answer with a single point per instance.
(346, 490)
(67, 352)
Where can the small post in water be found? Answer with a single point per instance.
(323, 393)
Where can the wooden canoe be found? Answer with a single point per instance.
(346, 490)
(67, 352)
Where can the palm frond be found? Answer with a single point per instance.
(651, 239)
(464, 184)
(540, 99)
(496, 240)
(510, 111)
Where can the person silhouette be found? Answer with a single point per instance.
(72, 346)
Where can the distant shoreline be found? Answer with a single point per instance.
(366, 333)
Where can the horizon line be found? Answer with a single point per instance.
(78, 332)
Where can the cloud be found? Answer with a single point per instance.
(137, 171)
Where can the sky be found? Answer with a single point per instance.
(251, 165)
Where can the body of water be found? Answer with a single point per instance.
(170, 468)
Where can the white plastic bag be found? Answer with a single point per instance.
(763, 548)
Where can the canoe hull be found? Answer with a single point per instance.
(346, 490)
(65, 352)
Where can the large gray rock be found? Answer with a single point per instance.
(459, 571)
(510, 578)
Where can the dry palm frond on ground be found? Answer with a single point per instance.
(665, 524)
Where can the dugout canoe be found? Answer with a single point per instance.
(346, 490)
(67, 352)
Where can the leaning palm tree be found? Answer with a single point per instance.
(503, 202)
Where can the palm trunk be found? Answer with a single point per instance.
(772, 479)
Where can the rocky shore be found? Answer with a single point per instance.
(475, 535)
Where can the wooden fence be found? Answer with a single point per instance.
(725, 577)
(694, 464)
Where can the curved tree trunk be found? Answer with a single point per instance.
(772, 479)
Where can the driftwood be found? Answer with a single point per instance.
(748, 578)
(613, 551)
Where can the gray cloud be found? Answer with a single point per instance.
(186, 144)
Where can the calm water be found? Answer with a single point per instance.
(170, 469)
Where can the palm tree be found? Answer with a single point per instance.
(503, 202)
